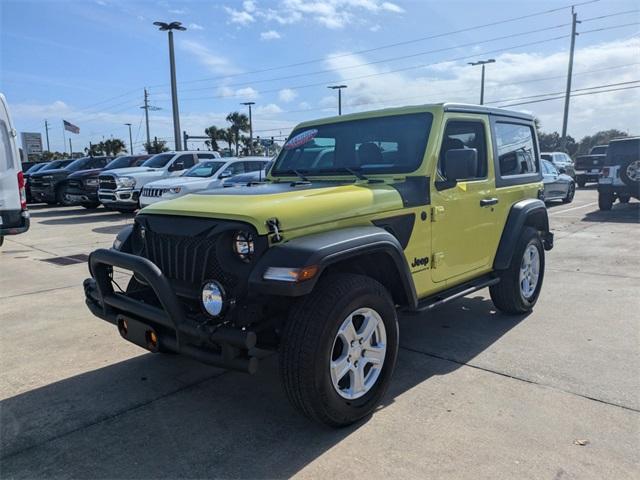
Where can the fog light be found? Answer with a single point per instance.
(213, 298)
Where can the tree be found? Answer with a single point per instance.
(114, 146)
(157, 146)
(95, 149)
(226, 135)
(213, 133)
(599, 138)
(239, 123)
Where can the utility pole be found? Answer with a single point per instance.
(250, 126)
(339, 88)
(483, 63)
(130, 138)
(46, 129)
(567, 95)
(170, 27)
(146, 107)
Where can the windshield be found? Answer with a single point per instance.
(159, 160)
(204, 169)
(391, 144)
(36, 167)
(57, 164)
(79, 164)
(546, 156)
(120, 162)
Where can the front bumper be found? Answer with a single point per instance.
(588, 175)
(617, 188)
(43, 193)
(120, 198)
(78, 196)
(220, 346)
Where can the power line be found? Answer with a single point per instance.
(573, 95)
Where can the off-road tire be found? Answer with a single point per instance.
(605, 200)
(506, 294)
(624, 173)
(307, 344)
(581, 181)
(571, 192)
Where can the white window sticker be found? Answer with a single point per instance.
(301, 139)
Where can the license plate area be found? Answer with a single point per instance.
(139, 333)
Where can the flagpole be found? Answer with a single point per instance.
(64, 137)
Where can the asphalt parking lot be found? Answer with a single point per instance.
(476, 394)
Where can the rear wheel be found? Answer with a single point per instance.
(339, 349)
(605, 200)
(520, 284)
(571, 192)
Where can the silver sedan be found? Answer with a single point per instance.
(557, 185)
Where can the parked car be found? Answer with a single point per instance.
(556, 185)
(119, 189)
(204, 175)
(589, 167)
(404, 208)
(14, 216)
(248, 178)
(49, 184)
(562, 161)
(621, 174)
(82, 186)
(27, 184)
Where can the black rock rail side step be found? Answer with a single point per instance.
(454, 293)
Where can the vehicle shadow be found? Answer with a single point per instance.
(620, 213)
(92, 217)
(146, 418)
(111, 229)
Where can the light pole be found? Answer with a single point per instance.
(339, 88)
(130, 138)
(169, 27)
(483, 63)
(250, 126)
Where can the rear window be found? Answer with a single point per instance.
(601, 150)
(392, 144)
(623, 151)
(546, 156)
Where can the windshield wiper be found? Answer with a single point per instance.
(297, 173)
(353, 172)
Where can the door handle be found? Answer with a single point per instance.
(485, 202)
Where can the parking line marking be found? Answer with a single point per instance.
(574, 208)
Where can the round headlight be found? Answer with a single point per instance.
(213, 298)
(243, 245)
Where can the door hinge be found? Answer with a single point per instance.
(438, 258)
(437, 213)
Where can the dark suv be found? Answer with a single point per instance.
(621, 173)
(49, 184)
(82, 186)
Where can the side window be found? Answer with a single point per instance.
(235, 168)
(187, 160)
(253, 166)
(465, 135)
(516, 151)
(206, 156)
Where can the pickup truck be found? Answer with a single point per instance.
(120, 189)
(588, 167)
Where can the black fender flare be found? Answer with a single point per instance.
(530, 212)
(325, 249)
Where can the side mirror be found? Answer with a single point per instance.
(224, 175)
(459, 164)
(179, 165)
(562, 170)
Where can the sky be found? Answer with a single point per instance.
(89, 61)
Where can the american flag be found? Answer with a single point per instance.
(70, 127)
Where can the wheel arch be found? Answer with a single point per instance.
(525, 213)
(366, 250)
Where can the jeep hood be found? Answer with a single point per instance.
(295, 206)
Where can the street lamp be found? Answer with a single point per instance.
(250, 126)
(130, 138)
(483, 63)
(169, 27)
(339, 88)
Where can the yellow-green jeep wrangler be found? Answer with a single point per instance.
(360, 216)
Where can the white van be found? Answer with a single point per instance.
(14, 217)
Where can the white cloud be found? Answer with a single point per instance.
(509, 78)
(247, 93)
(101, 3)
(195, 26)
(375, 28)
(177, 11)
(270, 35)
(215, 63)
(287, 95)
(241, 17)
(332, 14)
(268, 110)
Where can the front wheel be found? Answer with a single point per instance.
(520, 284)
(339, 349)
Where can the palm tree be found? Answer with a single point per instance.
(213, 133)
(113, 146)
(226, 135)
(239, 123)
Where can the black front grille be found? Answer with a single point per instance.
(107, 182)
(187, 259)
(153, 192)
(36, 182)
